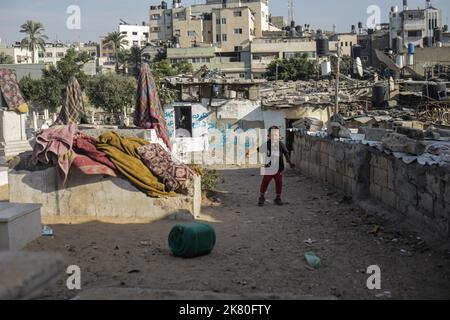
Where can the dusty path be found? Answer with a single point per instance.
(260, 249)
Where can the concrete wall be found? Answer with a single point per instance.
(90, 198)
(420, 193)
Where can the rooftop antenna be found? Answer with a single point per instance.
(291, 10)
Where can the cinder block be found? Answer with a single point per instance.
(426, 202)
(433, 184)
(330, 176)
(332, 163)
(388, 197)
(19, 225)
(323, 173)
(375, 191)
(324, 159)
(347, 185)
(380, 177)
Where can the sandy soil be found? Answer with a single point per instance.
(260, 249)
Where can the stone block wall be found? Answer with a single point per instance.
(419, 193)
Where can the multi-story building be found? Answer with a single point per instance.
(136, 35)
(347, 41)
(414, 25)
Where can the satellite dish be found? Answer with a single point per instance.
(357, 67)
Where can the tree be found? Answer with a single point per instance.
(6, 59)
(123, 56)
(346, 65)
(136, 58)
(295, 68)
(112, 92)
(118, 41)
(49, 91)
(34, 39)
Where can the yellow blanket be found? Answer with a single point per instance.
(122, 152)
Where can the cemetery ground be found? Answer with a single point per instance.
(261, 250)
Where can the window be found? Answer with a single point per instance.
(238, 31)
(191, 33)
(146, 34)
(217, 37)
(415, 33)
(156, 16)
(60, 54)
(124, 33)
(154, 29)
(237, 49)
(135, 43)
(49, 55)
(224, 37)
(238, 13)
(135, 33)
(217, 21)
(224, 21)
(40, 54)
(346, 43)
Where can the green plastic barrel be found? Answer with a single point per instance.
(190, 240)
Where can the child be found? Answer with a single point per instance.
(276, 172)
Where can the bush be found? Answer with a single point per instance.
(112, 92)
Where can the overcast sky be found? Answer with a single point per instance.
(98, 17)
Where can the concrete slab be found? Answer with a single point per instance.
(96, 198)
(155, 294)
(23, 275)
(19, 225)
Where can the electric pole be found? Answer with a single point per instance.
(338, 71)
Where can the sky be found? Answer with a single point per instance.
(98, 17)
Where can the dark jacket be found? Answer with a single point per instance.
(267, 149)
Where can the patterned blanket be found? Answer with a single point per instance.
(149, 113)
(122, 151)
(176, 176)
(10, 91)
(73, 106)
(59, 146)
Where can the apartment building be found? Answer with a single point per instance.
(136, 35)
(414, 25)
(346, 41)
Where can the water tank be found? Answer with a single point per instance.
(437, 35)
(326, 68)
(399, 44)
(410, 60)
(323, 47)
(356, 51)
(400, 61)
(380, 95)
(411, 48)
(445, 29)
(164, 5)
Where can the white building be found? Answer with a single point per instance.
(414, 25)
(136, 35)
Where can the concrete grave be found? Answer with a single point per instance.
(88, 198)
(13, 138)
(19, 225)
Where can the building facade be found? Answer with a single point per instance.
(415, 26)
(136, 35)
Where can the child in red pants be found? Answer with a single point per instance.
(277, 175)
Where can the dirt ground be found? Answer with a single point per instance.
(260, 249)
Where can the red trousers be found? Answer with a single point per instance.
(278, 183)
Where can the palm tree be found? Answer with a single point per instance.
(118, 41)
(136, 58)
(6, 59)
(35, 38)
